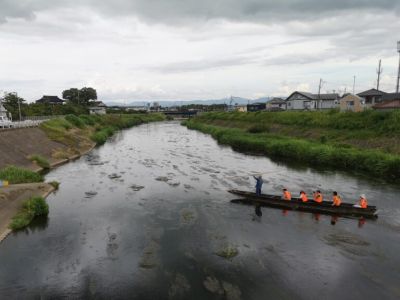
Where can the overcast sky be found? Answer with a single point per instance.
(196, 49)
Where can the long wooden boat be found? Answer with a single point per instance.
(345, 209)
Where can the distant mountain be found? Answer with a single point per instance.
(169, 103)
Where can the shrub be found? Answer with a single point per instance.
(40, 160)
(75, 120)
(31, 208)
(55, 184)
(16, 175)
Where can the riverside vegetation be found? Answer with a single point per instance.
(76, 132)
(367, 142)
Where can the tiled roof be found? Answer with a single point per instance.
(316, 96)
(371, 92)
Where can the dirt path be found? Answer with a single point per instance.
(11, 199)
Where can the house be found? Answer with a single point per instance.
(241, 108)
(372, 97)
(390, 101)
(390, 96)
(3, 112)
(308, 101)
(97, 108)
(256, 106)
(351, 102)
(50, 100)
(276, 104)
(387, 105)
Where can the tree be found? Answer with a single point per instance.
(11, 102)
(81, 97)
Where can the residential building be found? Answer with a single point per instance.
(308, 101)
(241, 108)
(3, 112)
(97, 108)
(256, 106)
(372, 97)
(390, 101)
(276, 104)
(351, 102)
(50, 100)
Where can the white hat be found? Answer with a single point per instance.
(362, 196)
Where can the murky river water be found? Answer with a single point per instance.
(144, 217)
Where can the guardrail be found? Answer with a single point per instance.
(27, 122)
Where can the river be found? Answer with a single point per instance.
(146, 215)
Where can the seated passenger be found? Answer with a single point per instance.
(362, 203)
(318, 196)
(286, 195)
(336, 199)
(303, 196)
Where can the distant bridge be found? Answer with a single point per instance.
(180, 114)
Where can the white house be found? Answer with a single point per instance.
(97, 108)
(3, 112)
(308, 101)
(276, 104)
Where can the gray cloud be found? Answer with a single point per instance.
(178, 11)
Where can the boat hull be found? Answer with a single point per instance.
(346, 209)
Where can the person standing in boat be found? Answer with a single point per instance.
(337, 201)
(362, 203)
(259, 183)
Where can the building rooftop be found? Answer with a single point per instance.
(371, 92)
(50, 99)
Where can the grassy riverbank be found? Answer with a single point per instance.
(57, 141)
(365, 142)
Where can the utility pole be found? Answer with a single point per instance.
(354, 84)
(78, 96)
(398, 72)
(319, 93)
(19, 105)
(379, 72)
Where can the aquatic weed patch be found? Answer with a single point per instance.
(31, 208)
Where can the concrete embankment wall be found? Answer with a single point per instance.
(18, 144)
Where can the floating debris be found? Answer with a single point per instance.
(136, 187)
(90, 194)
(114, 176)
(228, 252)
(162, 178)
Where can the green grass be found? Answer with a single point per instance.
(101, 136)
(105, 125)
(377, 121)
(76, 121)
(339, 156)
(15, 175)
(40, 161)
(31, 208)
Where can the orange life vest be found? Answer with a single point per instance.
(363, 203)
(337, 201)
(303, 197)
(287, 195)
(318, 197)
